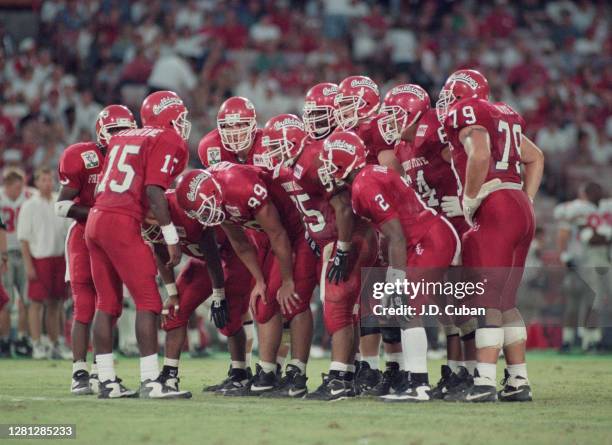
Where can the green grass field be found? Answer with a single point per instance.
(573, 405)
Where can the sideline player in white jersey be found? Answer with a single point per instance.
(584, 238)
(13, 194)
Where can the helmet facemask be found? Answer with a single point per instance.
(237, 133)
(347, 110)
(104, 134)
(152, 233)
(209, 213)
(182, 125)
(392, 124)
(278, 151)
(319, 121)
(444, 102)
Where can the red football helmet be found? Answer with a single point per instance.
(462, 84)
(282, 139)
(199, 195)
(357, 99)
(165, 109)
(237, 123)
(402, 107)
(319, 110)
(113, 117)
(343, 152)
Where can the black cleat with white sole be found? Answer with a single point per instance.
(238, 380)
(390, 383)
(482, 390)
(158, 389)
(80, 383)
(113, 389)
(333, 388)
(516, 389)
(411, 391)
(461, 381)
(366, 378)
(292, 385)
(260, 383)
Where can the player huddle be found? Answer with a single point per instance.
(301, 203)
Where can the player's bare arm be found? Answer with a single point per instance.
(533, 162)
(159, 206)
(210, 251)
(345, 220)
(167, 275)
(247, 254)
(269, 219)
(66, 207)
(387, 158)
(477, 145)
(392, 230)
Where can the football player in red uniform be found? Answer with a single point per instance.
(140, 165)
(236, 138)
(244, 196)
(423, 151)
(79, 167)
(418, 238)
(211, 259)
(356, 105)
(488, 149)
(300, 178)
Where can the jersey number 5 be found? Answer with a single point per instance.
(122, 165)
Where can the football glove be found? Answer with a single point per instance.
(451, 206)
(219, 312)
(340, 265)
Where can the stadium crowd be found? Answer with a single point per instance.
(550, 60)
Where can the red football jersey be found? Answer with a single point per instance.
(430, 175)
(79, 167)
(137, 158)
(505, 128)
(379, 194)
(310, 196)
(246, 189)
(211, 151)
(190, 230)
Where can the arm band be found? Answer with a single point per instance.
(171, 289)
(170, 234)
(62, 208)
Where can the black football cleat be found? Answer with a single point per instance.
(516, 389)
(238, 380)
(390, 382)
(367, 378)
(5, 348)
(80, 383)
(260, 383)
(480, 391)
(292, 385)
(113, 389)
(461, 380)
(332, 389)
(23, 347)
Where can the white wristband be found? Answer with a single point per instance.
(170, 234)
(63, 207)
(344, 245)
(171, 289)
(218, 293)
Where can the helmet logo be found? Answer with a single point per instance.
(194, 184)
(408, 89)
(328, 91)
(339, 144)
(166, 102)
(364, 82)
(465, 78)
(288, 122)
(249, 104)
(104, 114)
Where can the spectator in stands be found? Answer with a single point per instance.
(42, 235)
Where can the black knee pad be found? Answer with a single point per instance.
(391, 335)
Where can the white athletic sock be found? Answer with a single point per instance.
(267, 366)
(248, 358)
(281, 361)
(454, 365)
(79, 366)
(358, 357)
(106, 367)
(351, 368)
(395, 357)
(569, 335)
(94, 368)
(339, 366)
(470, 365)
(487, 371)
(172, 362)
(372, 360)
(299, 364)
(238, 365)
(21, 335)
(414, 347)
(149, 367)
(517, 370)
